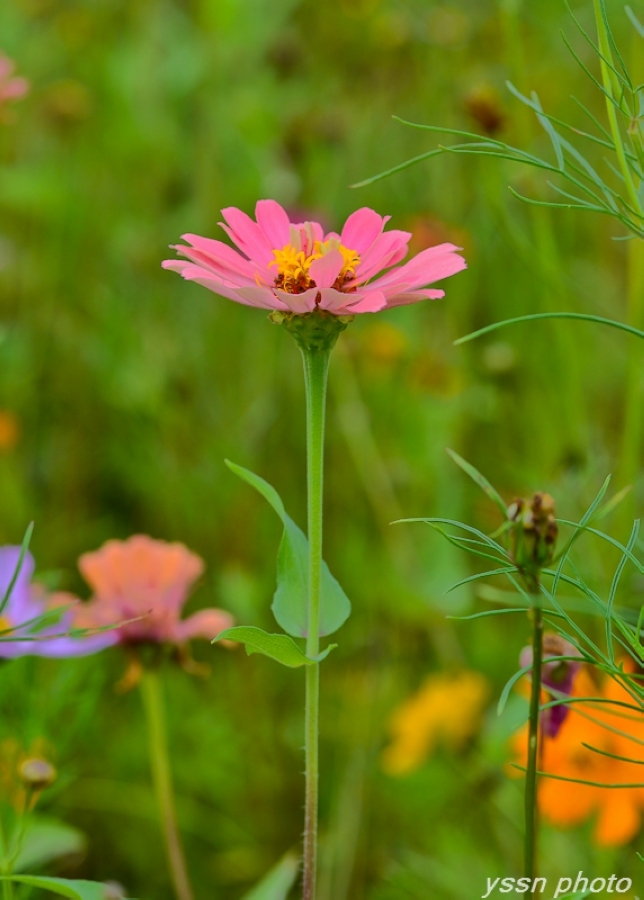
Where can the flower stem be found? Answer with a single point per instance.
(162, 778)
(531, 808)
(316, 368)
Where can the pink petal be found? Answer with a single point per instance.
(413, 297)
(260, 296)
(249, 296)
(335, 301)
(299, 303)
(220, 257)
(374, 301)
(207, 623)
(274, 222)
(247, 234)
(388, 249)
(325, 270)
(428, 266)
(362, 228)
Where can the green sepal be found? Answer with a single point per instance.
(315, 331)
(279, 647)
(290, 601)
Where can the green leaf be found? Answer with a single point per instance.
(278, 882)
(47, 839)
(554, 315)
(290, 602)
(279, 647)
(481, 480)
(76, 890)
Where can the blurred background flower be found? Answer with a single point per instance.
(23, 630)
(12, 87)
(147, 580)
(447, 710)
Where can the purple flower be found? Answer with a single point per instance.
(28, 602)
(557, 677)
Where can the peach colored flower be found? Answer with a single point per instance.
(608, 728)
(11, 86)
(149, 580)
(297, 268)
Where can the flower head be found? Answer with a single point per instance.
(11, 86)
(296, 268)
(147, 580)
(27, 603)
(557, 677)
(534, 533)
(612, 731)
(446, 708)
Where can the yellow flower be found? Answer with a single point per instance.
(446, 709)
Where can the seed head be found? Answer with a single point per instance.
(534, 533)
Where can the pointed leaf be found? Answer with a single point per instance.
(290, 602)
(481, 480)
(279, 647)
(75, 890)
(277, 884)
(47, 839)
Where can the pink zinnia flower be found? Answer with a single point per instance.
(150, 579)
(11, 88)
(297, 268)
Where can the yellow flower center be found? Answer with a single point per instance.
(5, 624)
(293, 265)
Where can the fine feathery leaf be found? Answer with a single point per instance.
(481, 480)
(585, 317)
(613, 590)
(505, 693)
(635, 21)
(627, 759)
(279, 647)
(21, 559)
(600, 784)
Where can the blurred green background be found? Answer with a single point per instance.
(123, 389)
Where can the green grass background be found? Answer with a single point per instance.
(145, 118)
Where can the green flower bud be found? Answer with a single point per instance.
(533, 534)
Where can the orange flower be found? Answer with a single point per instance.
(610, 729)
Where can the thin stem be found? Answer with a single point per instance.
(531, 811)
(316, 368)
(162, 778)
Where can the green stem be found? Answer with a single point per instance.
(632, 433)
(162, 778)
(316, 368)
(531, 810)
